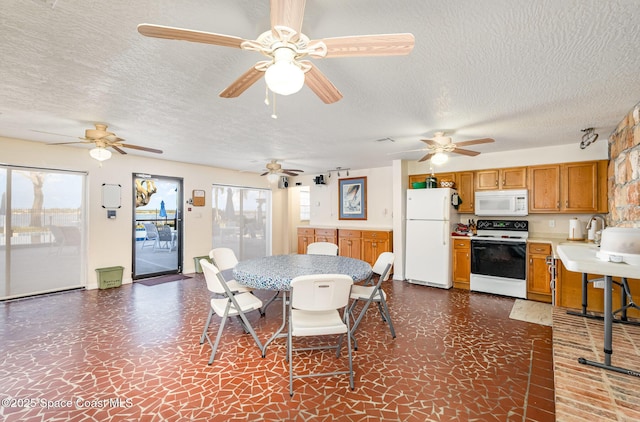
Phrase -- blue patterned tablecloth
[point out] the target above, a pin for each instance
(276, 272)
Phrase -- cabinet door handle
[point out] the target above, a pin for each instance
(496, 182)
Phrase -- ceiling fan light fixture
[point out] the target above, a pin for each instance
(439, 158)
(284, 76)
(100, 153)
(273, 177)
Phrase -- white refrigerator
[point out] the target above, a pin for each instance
(431, 218)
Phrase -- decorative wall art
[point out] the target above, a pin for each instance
(353, 198)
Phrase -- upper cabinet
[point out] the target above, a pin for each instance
(570, 187)
(507, 178)
(553, 188)
(464, 184)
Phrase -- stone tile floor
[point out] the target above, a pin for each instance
(133, 353)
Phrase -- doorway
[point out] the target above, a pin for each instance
(157, 225)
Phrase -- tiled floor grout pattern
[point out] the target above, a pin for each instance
(132, 353)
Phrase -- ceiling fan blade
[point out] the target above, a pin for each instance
(289, 173)
(287, 13)
(265, 173)
(475, 142)
(321, 85)
(241, 84)
(74, 142)
(121, 151)
(296, 170)
(426, 157)
(171, 33)
(430, 142)
(465, 152)
(157, 151)
(369, 45)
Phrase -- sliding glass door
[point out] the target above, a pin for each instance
(242, 220)
(42, 231)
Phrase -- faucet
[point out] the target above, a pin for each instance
(593, 218)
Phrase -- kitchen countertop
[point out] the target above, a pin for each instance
(582, 258)
(555, 240)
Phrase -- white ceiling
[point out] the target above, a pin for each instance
(526, 73)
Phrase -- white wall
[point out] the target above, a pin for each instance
(109, 241)
(324, 199)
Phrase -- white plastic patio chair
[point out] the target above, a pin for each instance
(225, 259)
(225, 305)
(371, 294)
(322, 248)
(314, 311)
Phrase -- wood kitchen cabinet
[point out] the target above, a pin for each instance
(538, 276)
(569, 292)
(461, 262)
(505, 178)
(374, 243)
(326, 235)
(306, 235)
(464, 185)
(423, 177)
(350, 243)
(568, 188)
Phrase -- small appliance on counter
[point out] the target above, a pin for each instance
(620, 244)
(575, 230)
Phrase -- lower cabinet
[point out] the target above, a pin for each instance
(350, 243)
(326, 235)
(306, 235)
(461, 262)
(569, 292)
(538, 276)
(374, 243)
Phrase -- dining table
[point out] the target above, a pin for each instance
(275, 273)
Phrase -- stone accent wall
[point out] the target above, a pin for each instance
(624, 171)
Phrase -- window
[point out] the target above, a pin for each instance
(305, 204)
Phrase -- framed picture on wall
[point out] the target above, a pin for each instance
(353, 198)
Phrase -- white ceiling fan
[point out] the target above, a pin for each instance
(285, 46)
(104, 139)
(441, 144)
(274, 170)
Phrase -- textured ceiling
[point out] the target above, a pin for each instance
(526, 73)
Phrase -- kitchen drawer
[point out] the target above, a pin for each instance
(353, 234)
(462, 243)
(540, 248)
(326, 232)
(378, 235)
(305, 231)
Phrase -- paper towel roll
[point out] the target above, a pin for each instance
(575, 229)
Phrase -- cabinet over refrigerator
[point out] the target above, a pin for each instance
(431, 217)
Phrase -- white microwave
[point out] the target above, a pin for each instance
(502, 203)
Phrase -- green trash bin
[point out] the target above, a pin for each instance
(109, 277)
(196, 262)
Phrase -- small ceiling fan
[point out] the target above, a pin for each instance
(103, 140)
(441, 144)
(274, 170)
(285, 46)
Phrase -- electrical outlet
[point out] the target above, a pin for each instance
(552, 223)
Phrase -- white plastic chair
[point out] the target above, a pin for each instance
(226, 305)
(322, 248)
(371, 294)
(151, 234)
(225, 259)
(314, 311)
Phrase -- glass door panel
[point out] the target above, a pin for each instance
(42, 213)
(242, 220)
(157, 226)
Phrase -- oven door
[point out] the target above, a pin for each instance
(506, 259)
